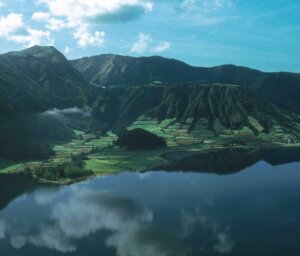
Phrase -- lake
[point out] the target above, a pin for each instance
(226, 203)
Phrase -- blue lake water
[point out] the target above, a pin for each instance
(255, 211)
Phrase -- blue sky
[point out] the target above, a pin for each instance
(259, 34)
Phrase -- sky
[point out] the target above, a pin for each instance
(259, 34)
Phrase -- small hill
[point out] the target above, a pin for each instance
(139, 139)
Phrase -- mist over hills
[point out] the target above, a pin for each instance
(39, 78)
(31, 82)
(119, 91)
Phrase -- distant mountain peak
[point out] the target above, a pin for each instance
(110, 69)
(38, 52)
(42, 70)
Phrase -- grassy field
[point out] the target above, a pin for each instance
(102, 157)
(7, 166)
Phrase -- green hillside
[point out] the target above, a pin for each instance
(198, 111)
(33, 81)
(111, 70)
(55, 115)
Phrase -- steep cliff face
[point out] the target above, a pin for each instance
(215, 105)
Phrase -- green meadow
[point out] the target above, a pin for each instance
(101, 156)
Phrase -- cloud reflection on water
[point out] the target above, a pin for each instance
(209, 229)
(68, 215)
(86, 212)
(2, 229)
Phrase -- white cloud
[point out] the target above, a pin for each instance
(145, 44)
(142, 44)
(91, 211)
(56, 24)
(223, 3)
(78, 15)
(163, 46)
(64, 113)
(143, 176)
(206, 12)
(10, 24)
(205, 5)
(67, 50)
(52, 23)
(85, 38)
(54, 239)
(12, 28)
(213, 231)
(33, 37)
(47, 196)
(224, 244)
(18, 241)
(40, 16)
(147, 242)
(189, 5)
(94, 10)
(87, 212)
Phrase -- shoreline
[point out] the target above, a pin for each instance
(187, 152)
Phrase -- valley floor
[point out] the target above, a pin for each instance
(101, 157)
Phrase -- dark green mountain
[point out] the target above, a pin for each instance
(33, 81)
(112, 70)
(39, 78)
(200, 110)
(41, 93)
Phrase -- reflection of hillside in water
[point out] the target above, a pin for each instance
(226, 161)
(14, 185)
(283, 156)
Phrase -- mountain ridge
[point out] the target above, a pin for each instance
(148, 62)
(118, 70)
(39, 73)
(182, 61)
(215, 108)
(200, 102)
